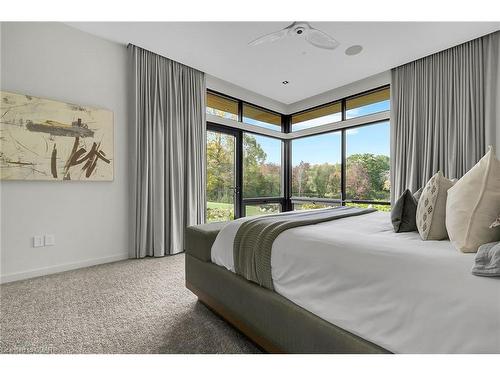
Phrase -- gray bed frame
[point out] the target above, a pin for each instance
(271, 321)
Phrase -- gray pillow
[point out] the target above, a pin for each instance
(417, 194)
(404, 213)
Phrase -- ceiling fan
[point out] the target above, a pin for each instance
(314, 36)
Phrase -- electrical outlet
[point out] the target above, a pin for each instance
(37, 241)
(50, 240)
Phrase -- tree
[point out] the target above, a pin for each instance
(220, 166)
(300, 174)
(260, 178)
(368, 176)
(325, 180)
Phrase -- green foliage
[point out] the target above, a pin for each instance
(219, 214)
(220, 167)
(260, 179)
(379, 207)
(318, 180)
(367, 177)
(220, 211)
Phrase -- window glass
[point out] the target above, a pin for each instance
(367, 159)
(316, 166)
(261, 166)
(379, 207)
(318, 116)
(221, 106)
(259, 117)
(367, 104)
(220, 176)
(262, 209)
(312, 205)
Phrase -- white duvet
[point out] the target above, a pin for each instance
(393, 289)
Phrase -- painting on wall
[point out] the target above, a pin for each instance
(42, 139)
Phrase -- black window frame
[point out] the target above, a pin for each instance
(240, 201)
(287, 200)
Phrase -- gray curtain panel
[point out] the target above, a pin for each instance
(444, 111)
(168, 152)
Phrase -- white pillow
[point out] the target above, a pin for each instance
(431, 209)
(473, 204)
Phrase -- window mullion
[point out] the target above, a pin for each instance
(343, 166)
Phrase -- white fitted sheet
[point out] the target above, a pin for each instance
(393, 289)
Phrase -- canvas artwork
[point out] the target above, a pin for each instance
(43, 139)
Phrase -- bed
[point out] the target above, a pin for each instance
(350, 285)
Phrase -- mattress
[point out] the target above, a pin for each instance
(393, 289)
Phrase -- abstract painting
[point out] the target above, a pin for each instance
(42, 139)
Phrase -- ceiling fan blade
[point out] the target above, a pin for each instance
(320, 39)
(269, 37)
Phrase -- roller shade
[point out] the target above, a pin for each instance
(258, 114)
(318, 112)
(366, 99)
(222, 103)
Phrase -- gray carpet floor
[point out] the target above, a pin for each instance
(133, 306)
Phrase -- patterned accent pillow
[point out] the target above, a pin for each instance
(431, 209)
(496, 223)
(473, 204)
(418, 193)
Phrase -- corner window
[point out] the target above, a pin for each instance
(252, 171)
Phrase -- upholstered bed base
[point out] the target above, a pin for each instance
(273, 322)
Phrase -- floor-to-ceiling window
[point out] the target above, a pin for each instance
(262, 162)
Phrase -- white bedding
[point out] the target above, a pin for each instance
(393, 289)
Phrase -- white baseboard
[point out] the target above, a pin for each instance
(59, 268)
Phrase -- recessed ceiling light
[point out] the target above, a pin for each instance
(353, 50)
(285, 82)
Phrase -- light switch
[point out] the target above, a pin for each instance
(37, 241)
(50, 240)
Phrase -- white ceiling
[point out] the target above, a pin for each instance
(221, 50)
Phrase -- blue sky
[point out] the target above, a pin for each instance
(325, 148)
(271, 146)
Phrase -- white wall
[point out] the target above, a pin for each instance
(89, 219)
